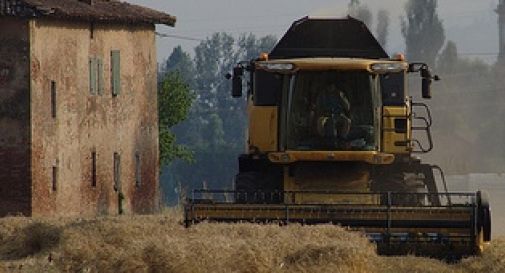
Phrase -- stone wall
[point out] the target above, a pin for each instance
(86, 122)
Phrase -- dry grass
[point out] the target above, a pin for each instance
(160, 244)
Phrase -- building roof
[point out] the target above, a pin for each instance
(112, 11)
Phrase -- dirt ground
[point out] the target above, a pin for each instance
(161, 244)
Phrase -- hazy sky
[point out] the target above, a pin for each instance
(470, 23)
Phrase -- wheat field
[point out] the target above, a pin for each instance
(159, 243)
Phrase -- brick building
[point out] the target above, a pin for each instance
(78, 107)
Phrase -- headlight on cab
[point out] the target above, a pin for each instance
(280, 67)
(383, 68)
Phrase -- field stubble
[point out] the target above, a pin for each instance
(160, 243)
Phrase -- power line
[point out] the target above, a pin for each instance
(479, 53)
(164, 35)
(242, 17)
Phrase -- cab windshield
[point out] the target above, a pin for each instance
(331, 110)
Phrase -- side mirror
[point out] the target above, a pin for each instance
(236, 91)
(427, 79)
(426, 88)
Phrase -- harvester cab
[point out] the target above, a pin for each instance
(330, 140)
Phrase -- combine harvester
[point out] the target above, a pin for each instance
(330, 140)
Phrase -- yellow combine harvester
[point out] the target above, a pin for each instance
(330, 140)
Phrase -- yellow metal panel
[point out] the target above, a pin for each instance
(371, 157)
(390, 138)
(334, 63)
(263, 128)
(304, 182)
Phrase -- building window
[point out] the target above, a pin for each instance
(53, 99)
(54, 178)
(115, 59)
(96, 82)
(92, 31)
(138, 170)
(92, 76)
(93, 169)
(117, 172)
(99, 64)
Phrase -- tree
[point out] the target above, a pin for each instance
(361, 12)
(423, 31)
(181, 62)
(214, 57)
(250, 46)
(174, 102)
(215, 130)
(382, 27)
(448, 59)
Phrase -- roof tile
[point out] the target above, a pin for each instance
(86, 10)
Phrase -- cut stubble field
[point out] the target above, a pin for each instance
(159, 243)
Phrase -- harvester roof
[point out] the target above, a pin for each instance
(328, 37)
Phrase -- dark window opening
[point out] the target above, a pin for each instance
(92, 30)
(93, 169)
(55, 178)
(138, 170)
(92, 76)
(400, 125)
(53, 99)
(393, 89)
(267, 88)
(117, 172)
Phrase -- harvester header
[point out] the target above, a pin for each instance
(332, 138)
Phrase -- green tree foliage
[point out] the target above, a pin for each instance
(250, 46)
(215, 128)
(181, 62)
(215, 57)
(382, 29)
(174, 102)
(423, 31)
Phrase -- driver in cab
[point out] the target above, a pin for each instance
(332, 116)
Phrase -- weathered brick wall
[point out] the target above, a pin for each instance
(15, 191)
(86, 122)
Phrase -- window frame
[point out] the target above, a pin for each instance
(115, 75)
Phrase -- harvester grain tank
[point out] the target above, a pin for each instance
(331, 140)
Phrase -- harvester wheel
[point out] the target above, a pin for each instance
(255, 188)
(245, 187)
(485, 216)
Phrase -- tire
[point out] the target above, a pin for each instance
(256, 188)
(485, 216)
(245, 187)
